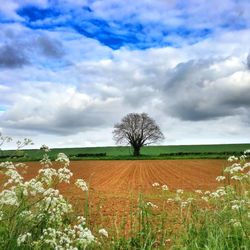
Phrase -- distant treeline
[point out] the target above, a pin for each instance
(201, 153)
(118, 153)
(89, 155)
(15, 154)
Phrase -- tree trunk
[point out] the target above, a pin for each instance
(136, 150)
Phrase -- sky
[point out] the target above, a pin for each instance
(71, 69)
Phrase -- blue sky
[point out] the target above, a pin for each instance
(70, 69)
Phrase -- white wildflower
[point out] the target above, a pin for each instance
(47, 174)
(237, 178)
(156, 184)
(235, 207)
(81, 220)
(45, 148)
(247, 151)
(8, 197)
(85, 237)
(246, 165)
(235, 168)
(198, 191)
(21, 165)
(7, 164)
(218, 193)
(103, 232)
(164, 187)
(220, 178)
(23, 238)
(150, 204)
(61, 157)
(64, 175)
(34, 187)
(232, 158)
(46, 162)
(179, 191)
(25, 214)
(204, 198)
(81, 184)
(14, 176)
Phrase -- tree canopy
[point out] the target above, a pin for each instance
(137, 130)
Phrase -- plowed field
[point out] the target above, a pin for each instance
(120, 177)
(113, 183)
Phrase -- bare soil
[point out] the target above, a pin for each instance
(114, 184)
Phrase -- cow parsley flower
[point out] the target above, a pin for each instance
(103, 232)
(247, 151)
(220, 178)
(9, 197)
(237, 177)
(81, 220)
(235, 207)
(232, 158)
(204, 198)
(45, 148)
(81, 184)
(156, 184)
(150, 204)
(47, 174)
(198, 191)
(64, 175)
(61, 157)
(164, 187)
(46, 162)
(179, 191)
(23, 238)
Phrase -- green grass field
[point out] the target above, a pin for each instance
(123, 153)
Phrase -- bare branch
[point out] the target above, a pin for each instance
(137, 130)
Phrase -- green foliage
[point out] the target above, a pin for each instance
(125, 153)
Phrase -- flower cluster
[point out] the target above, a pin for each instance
(72, 238)
(155, 184)
(81, 184)
(164, 187)
(41, 211)
(103, 232)
(45, 148)
(150, 204)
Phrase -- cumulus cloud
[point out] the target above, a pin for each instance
(66, 110)
(61, 84)
(208, 89)
(20, 46)
(49, 47)
(12, 57)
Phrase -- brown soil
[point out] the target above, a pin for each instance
(114, 185)
(123, 177)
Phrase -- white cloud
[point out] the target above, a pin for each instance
(198, 93)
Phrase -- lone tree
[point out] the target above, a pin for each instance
(137, 130)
